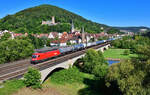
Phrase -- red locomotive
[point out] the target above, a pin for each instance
(44, 53)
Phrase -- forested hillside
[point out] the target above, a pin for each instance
(29, 20)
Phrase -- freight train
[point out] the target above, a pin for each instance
(46, 53)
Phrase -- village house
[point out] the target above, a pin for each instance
(59, 42)
(6, 31)
(17, 35)
(53, 35)
(42, 35)
(75, 40)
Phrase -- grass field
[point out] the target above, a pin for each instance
(117, 53)
(51, 88)
(10, 87)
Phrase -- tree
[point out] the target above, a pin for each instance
(127, 78)
(94, 63)
(68, 43)
(37, 42)
(5, 37)
(113, 31)
(103, 38)
(131, 77)
(32, 78)
(143, 52)
(147, 34)
(12, 50)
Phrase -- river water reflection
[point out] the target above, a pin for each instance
(112, 61)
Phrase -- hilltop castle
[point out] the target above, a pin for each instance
(50, 23)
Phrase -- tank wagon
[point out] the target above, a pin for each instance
(78, 47)
(64, 50)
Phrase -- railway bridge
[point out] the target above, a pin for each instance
(67, 63)
(17, 70)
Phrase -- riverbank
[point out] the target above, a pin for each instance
(113, 59)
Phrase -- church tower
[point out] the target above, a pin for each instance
(83, 35)
(53, 19)
(72, 27)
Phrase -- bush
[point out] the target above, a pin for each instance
(70, 75)
(94, 63)
(100, 71)
(127, 52)
(32, 78)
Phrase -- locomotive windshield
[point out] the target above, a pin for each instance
(34, 56)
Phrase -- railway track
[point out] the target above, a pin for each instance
(17, 70)
(11, 64)
(12, 68)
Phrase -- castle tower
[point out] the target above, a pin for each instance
(53, 19)
(83, 35)
(72, 27)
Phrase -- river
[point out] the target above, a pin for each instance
(113, 61)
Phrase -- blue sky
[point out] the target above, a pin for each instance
(110, 12)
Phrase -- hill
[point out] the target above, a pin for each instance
(133, 29)
(30, 20)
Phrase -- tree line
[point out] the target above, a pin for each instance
(132, 43)
(20, 47)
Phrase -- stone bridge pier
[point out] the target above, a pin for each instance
(102, 49)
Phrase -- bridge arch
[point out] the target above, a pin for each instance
(105, 48)
(47, 72)
(52, 72)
